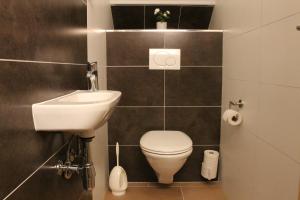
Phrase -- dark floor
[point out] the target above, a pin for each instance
(178, 191)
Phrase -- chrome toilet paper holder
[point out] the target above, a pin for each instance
(240, 103)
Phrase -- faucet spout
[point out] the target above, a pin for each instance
(92, 75)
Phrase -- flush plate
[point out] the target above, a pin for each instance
(164, 59)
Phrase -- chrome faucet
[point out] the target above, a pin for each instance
(92, 75)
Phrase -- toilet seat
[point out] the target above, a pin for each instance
(166, 142)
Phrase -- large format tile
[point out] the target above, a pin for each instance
(201, 124)
(207, 192)
(280, 47)
(246, 16)
(127, 125)
(132, 48)
(273, 10)
(238, 162)
(31, 83)
(197, 48)
(242, 57)
(134, 162)
(150, 18)
(247, 91)
(195, 17)
(148, 193)
(139, 85)
(43, 30)
(194, 87)
(272, 170)
(47, 185)
(128, 17)
(278, 118)
(191, 171)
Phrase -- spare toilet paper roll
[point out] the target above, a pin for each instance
(232, 117)
(210, 164)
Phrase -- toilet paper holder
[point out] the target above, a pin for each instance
(240, 103)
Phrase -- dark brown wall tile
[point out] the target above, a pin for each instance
(139, 85)
(127, 125)
(191, 171)
(150, 18)
(194, 86)
(131, 48)
(43, 30)
(128, 17)
(47, 185)
(21, 85)
(134, 162)
(197, 48)
(201, 124)
(195, 17)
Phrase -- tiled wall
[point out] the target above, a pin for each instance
(261, 159)
(142, 16)
(42, 56)
(187, 100)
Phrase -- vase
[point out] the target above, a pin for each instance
(161, 25)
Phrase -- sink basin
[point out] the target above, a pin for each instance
(80, 112)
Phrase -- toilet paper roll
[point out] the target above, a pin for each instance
(210, 164)
(232, 117)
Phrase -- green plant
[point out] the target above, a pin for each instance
(162, 16)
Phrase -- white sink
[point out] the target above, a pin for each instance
(80, 112)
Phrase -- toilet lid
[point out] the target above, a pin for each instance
(166, 142)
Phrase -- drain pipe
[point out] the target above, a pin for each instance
(85, 166)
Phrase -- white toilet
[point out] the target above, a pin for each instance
(166, 151)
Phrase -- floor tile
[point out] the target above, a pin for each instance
(209, 192)
(149, 193)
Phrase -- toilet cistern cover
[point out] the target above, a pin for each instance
(166, 142)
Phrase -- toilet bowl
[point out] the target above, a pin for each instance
(166, 152)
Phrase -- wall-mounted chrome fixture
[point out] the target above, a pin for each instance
(92, 75)
(240, 103)
(78, 162)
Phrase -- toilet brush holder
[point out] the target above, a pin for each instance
(118, 179)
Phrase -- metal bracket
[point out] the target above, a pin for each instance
(240, 103)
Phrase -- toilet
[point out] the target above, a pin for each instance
(166, 152)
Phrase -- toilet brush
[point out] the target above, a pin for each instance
(118, 178)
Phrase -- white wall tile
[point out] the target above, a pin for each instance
(280, 52)
(279, 114)
(239, 16)
(248, 92)
(242, 56)
(276, 176)
(238, 164)
(273, 10)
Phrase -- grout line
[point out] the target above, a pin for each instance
(24, 181)
(168, 30)
(179, 17)
(136, 145)
(164, 99)
(262, 83)
(182, 195)
(169, 106)
(275, 148)
(261, 26)
(146, 66)
(41, 62)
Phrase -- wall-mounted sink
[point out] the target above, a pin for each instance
(80, 112)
